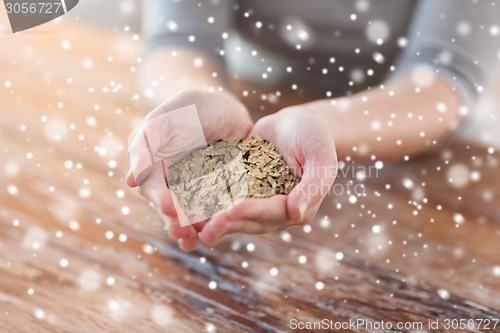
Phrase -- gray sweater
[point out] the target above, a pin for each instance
(336, 46)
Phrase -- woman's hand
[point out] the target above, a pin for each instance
(306, 143)
(189, 119)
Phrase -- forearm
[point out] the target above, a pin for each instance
(391, 122)
(172, 69)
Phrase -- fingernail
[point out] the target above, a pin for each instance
(163, 217)
(302, 210)
(180, 243)
(211, 239)
(129, 179)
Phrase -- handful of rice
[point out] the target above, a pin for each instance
(214, 178)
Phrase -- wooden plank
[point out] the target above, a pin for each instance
(422, 244)
(40, 293)
(463, 177)
(345, 284)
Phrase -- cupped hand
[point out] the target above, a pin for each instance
(189, 119)
(307, 145)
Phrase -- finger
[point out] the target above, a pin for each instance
(141, 157)
(177, 232)
(311, 213)
(190, 242)
(130, 179)
(161, 198)
(155, 189)
(215, 230)
(187, 236)
(260, 209)
(200, 225)
(318, 174)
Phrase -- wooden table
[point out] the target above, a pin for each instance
(80, 252)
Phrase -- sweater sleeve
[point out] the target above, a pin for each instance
(193, 23)
(459, 39)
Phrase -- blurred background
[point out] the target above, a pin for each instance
(483, 127)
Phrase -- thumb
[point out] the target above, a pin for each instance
(140, 159)
(318, 174)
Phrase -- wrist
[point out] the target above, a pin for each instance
(315, 110)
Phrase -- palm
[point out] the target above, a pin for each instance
(306, 144)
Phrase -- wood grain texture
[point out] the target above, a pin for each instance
(81, 252)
